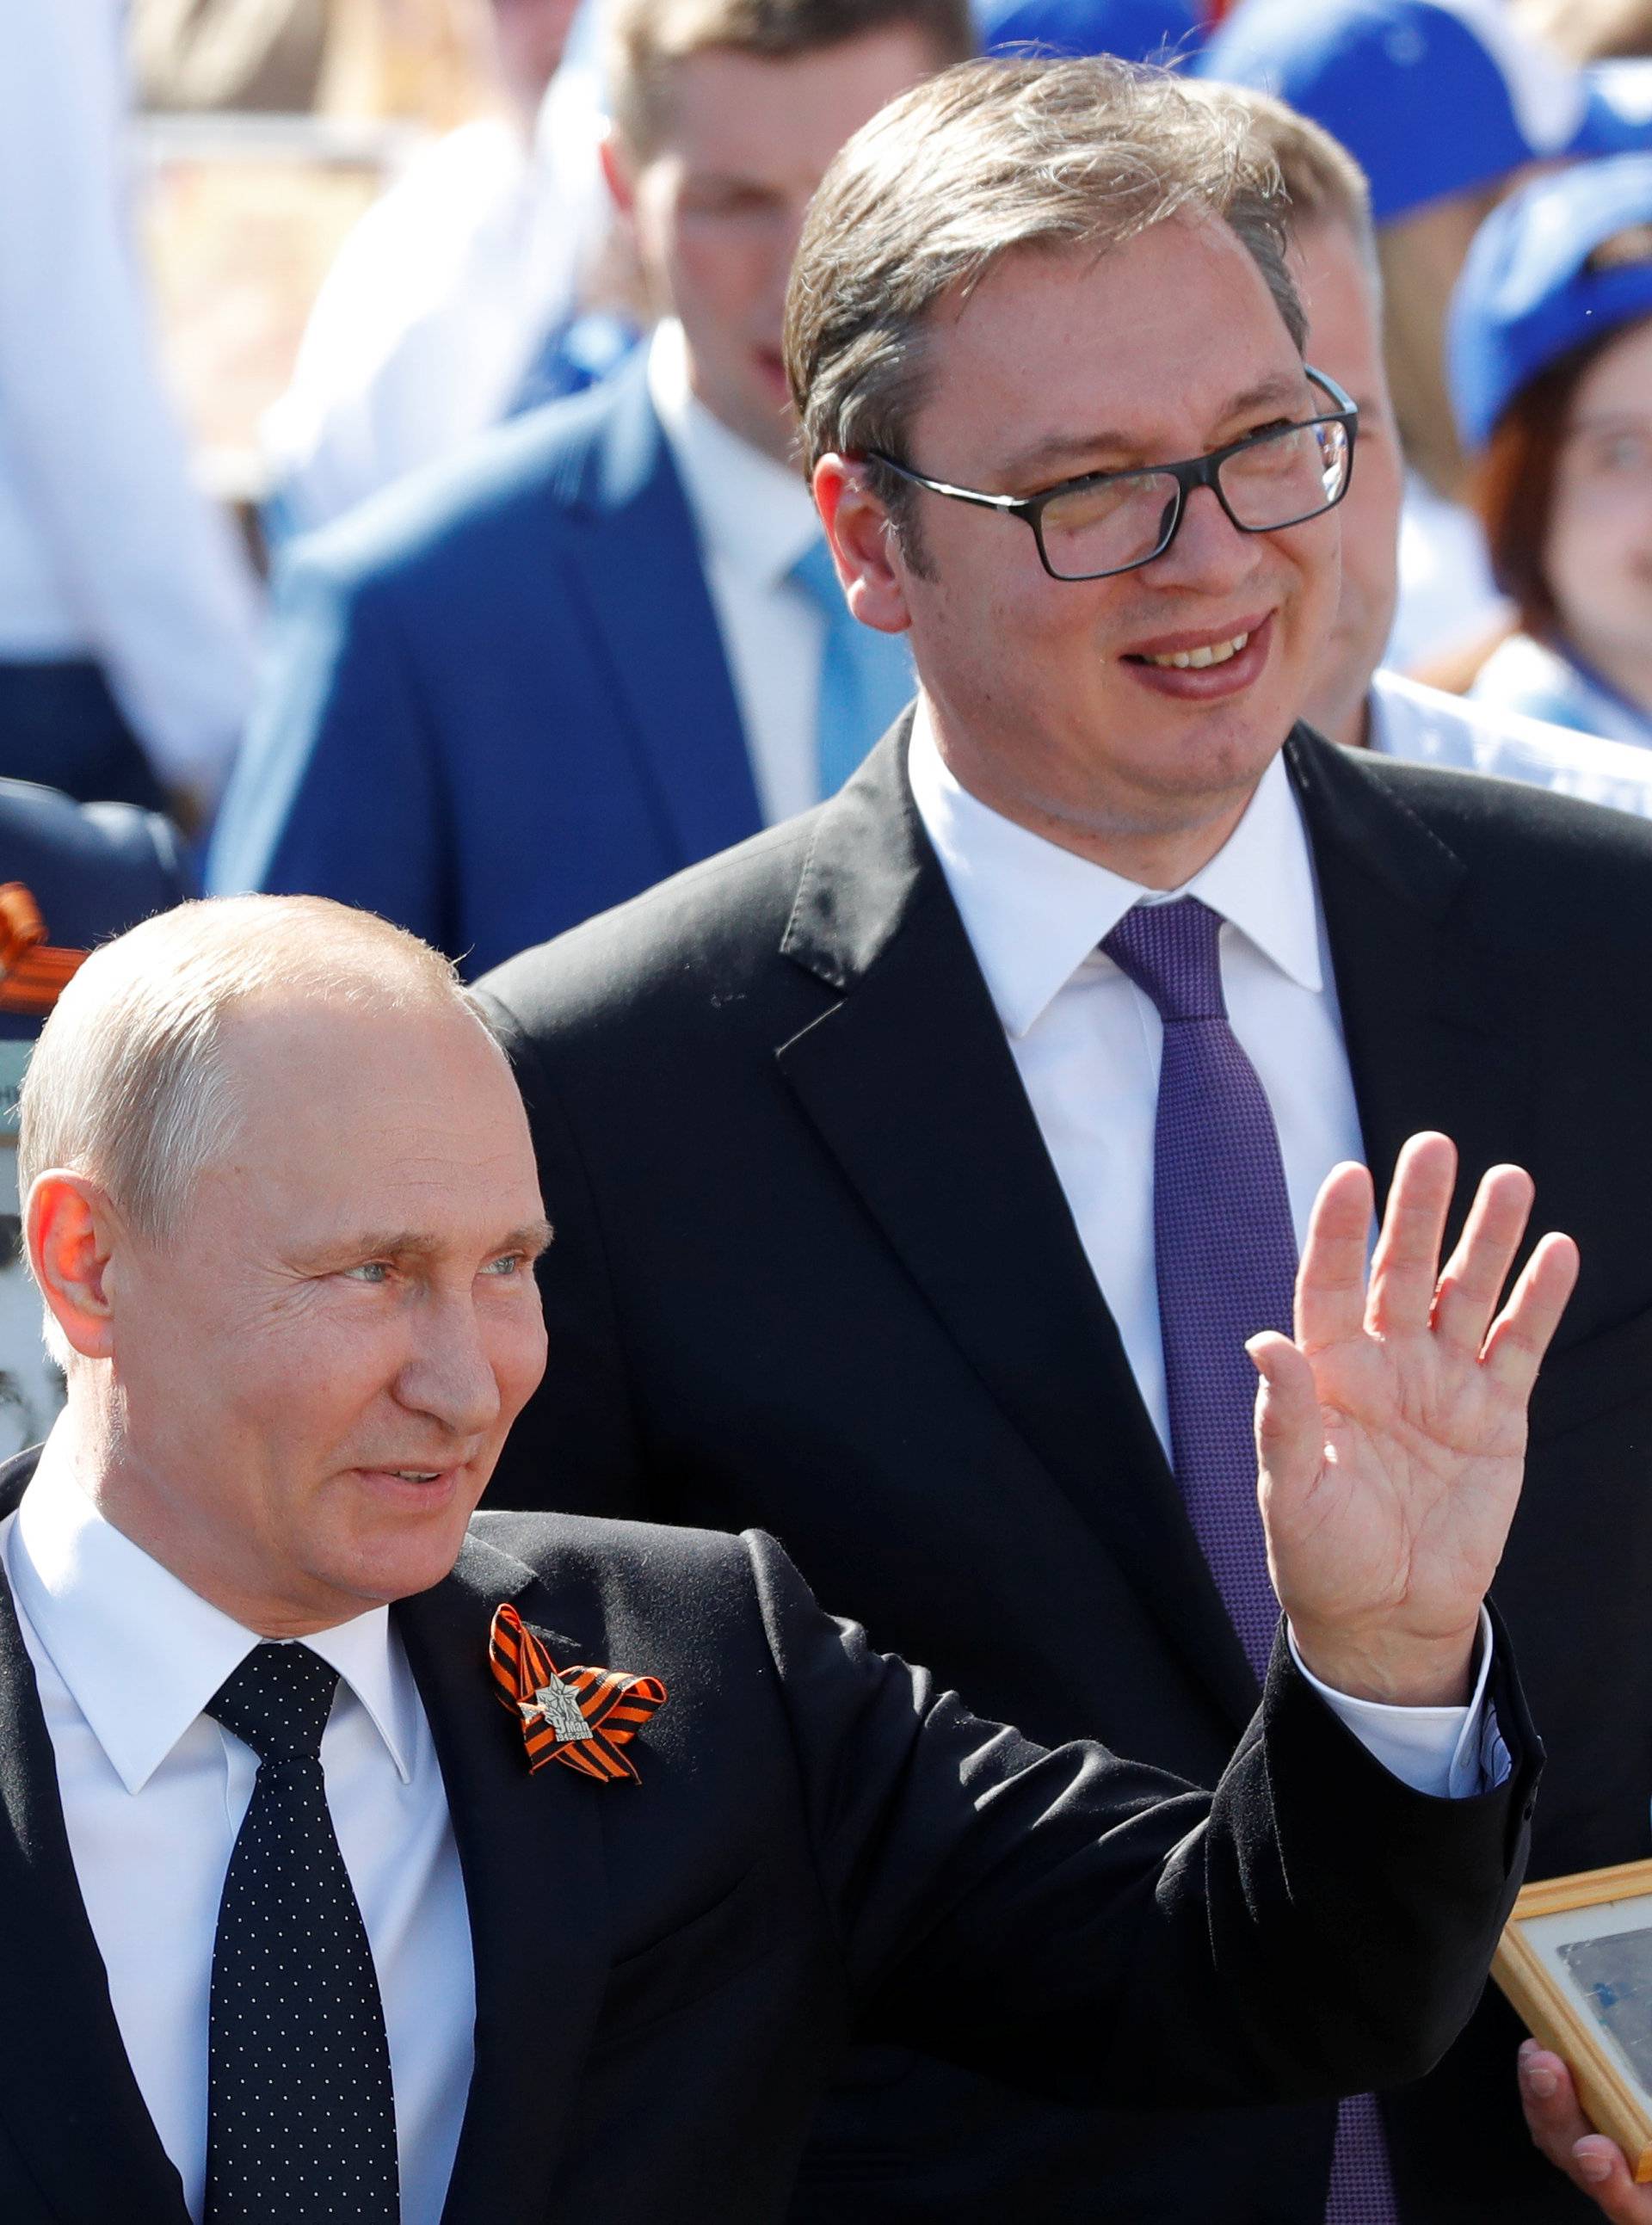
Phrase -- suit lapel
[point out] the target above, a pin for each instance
(530, 1849)
(963, 1188)
(1430, 1020)
(71, 2104)
(648, 603)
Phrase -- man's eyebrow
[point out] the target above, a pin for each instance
(1047, 455)
(532, 1236)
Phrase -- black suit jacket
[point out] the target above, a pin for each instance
(814, 1271)
(665, 1969)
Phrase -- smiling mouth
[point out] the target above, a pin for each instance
(1184, 660)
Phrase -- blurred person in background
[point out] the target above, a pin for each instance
(1551, 357)
(128, 609)
(1334, 257)
(422, 329)
(1443, 103)
(610, 641)
(1589, 30)
(70, 875)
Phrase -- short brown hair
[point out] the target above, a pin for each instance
(987, 159)
(1511, 484)
(645, 37)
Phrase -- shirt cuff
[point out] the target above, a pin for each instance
(1450, 1752)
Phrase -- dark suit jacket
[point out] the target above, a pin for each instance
(473, 721)
(665, 1970)
(814, 1269)
(94, 869)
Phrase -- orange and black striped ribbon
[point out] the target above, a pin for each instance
(614, 1706)
(33, 974)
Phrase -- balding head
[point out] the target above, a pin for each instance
(133, 1081)
(284, 1209)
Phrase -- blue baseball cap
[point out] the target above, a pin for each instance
(1138, 30)
(1431, 97)
(1567, 257)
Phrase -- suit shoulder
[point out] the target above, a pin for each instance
(93, 868)
(709, 932)
(520, 478)
(640, 1558)
(1490, 814)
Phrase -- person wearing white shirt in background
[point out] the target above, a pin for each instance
(436, 299)
(1354, 700)
(128, 608)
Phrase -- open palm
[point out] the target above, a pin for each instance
(1391, 1431)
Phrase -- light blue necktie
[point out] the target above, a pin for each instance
(866, 677)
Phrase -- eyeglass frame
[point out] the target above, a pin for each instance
(1196, 472)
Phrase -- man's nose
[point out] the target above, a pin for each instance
(1209, 551)
(449, 1374)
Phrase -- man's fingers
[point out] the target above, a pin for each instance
(1331, 1280)
(1473, 1276)
(1290, 1430)
(1406, 1263)
(1520, 1335)
(1565, 2135)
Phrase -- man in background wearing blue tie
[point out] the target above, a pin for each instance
(609, 641)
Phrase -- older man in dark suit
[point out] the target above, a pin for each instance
(302, 1918)
(907, 1161)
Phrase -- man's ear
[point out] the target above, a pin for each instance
(863, 543)
(70, 1229)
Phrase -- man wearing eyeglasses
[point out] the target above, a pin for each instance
(919, 1168)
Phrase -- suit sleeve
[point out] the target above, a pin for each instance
(337, 791)
(1079, 1923)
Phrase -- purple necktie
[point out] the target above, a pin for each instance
(1224, 1249)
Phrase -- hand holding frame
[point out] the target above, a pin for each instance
(1391, 1432)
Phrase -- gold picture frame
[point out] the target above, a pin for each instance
(1575, 1962)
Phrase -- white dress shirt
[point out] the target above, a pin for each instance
(1427, 727)
(154, 1792)
(753, 519)
(107, 551)
(1086, 1043)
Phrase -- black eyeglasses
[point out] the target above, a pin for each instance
(1108, 521)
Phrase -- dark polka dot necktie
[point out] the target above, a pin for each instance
(1224, 1255)
(302, 2115)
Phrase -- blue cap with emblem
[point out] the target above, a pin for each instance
(1567, 257)
(1432, 97)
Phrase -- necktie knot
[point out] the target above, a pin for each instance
(1170, 951)
(278, 1701)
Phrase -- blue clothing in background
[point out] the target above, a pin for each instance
(498, 700)
(1137, 30)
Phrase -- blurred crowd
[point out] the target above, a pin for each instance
(544, 232)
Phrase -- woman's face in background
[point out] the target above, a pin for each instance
(1598, 557)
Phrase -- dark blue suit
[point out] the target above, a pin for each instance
(500, 702)
(93, 869)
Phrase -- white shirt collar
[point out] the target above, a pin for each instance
(1035, 912)
(143, 1654)
(752, 514)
